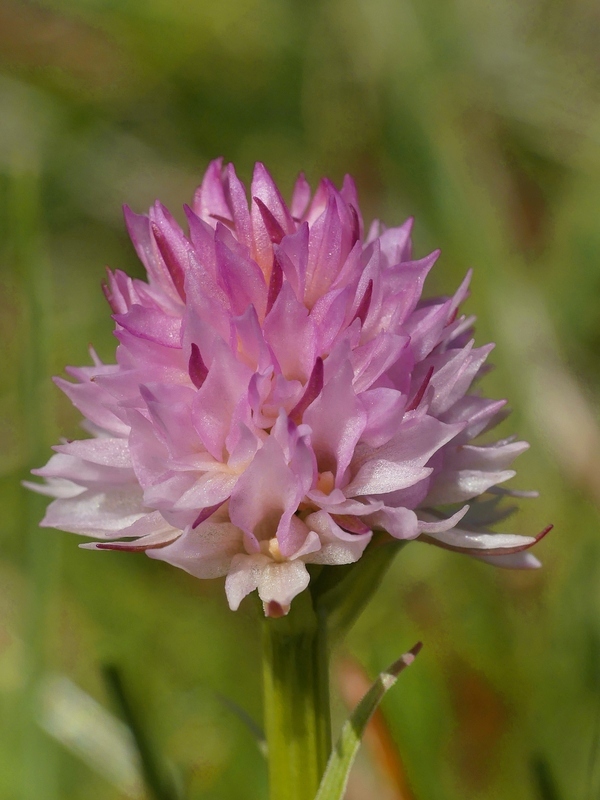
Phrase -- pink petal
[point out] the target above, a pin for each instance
(109, 451)
(209, 200)
(395, 243)
(328, 314)
(170, 409)
(349, 194)
(208, 491)
(325, 252)
(478, 413)
(251, 345)
(300, 197)
(266, 491)
(401, 523)
(152, 324)
(425, 327)
(291, 335)
(493, 457)
(85, 473)
(242, 280)
(292, 255)
(374, 358)
(380, 476)
(172, 245)
(215, 402)
(337, 420)
(239, 206)
(138, 226)
(264, 187)
(337, 546)
(401, 461)
(95, 403)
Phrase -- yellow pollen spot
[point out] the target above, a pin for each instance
(274, 550)
(325, 482)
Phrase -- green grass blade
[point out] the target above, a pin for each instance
(334, 782)
(257, 732)
(39, 756)
(156, 778)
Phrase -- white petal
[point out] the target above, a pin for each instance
(497, 456)
(458, 486)
(431, 524)
(243, 577)
(381, 477)
(205, 552)
(73, 468)
(311, 544)
(107, 451)
(523, 560)
(467, 540)
(281, 582)
(208, 490)
(55, 487)
(401, 523)
(337, 545)
(101, 514)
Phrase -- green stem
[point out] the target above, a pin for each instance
(341, 593)
(296, 701)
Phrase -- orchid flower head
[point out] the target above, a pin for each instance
(281, 390)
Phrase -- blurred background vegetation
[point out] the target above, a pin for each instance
(480, 118)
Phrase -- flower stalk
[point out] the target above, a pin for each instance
(296, 701)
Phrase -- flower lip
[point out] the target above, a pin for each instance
(275, 610)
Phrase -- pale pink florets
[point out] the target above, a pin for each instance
(281, 391)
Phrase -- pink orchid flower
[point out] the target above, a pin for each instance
(281, 390)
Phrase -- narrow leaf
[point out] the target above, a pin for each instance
(334, 781)
(158, 783)
(255, 729)
(90, 732)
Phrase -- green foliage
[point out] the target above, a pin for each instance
(335, 780)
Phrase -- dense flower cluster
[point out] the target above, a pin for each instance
(281, 391)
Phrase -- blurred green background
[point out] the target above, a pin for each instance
(480, 118)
